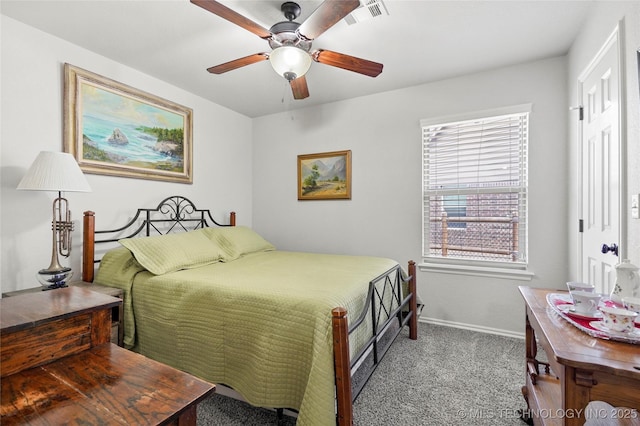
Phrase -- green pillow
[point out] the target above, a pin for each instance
(236, 241)
(162, 254)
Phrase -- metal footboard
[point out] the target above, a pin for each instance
(385, 304)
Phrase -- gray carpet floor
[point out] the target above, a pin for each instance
(448, 376)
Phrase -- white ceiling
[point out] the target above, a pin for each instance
(418, 42)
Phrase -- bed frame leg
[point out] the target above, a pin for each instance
(413, 304)
(342, 366)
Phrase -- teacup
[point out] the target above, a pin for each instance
(618, 319)
(585, 302)
(632, 303)
(575, 285)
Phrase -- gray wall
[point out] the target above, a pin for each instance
(384, 216)
(250, 166)
(32, 88)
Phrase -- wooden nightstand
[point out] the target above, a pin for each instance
(117, 314)
(58, 367)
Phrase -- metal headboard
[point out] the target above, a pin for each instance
(173, 214)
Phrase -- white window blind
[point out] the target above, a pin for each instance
(475, 188)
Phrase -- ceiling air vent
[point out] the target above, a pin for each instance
(368, 9)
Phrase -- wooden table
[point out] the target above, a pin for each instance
(580, 368)
(58, 367)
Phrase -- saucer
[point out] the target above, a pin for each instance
(598, 325)
(569, 310)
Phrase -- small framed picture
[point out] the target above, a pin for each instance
(324, 176)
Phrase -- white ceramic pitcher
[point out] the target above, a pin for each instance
(627, 281)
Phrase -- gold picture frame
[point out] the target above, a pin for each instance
(114, 129)
(324, 176)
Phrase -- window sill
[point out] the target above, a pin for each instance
(478, 271)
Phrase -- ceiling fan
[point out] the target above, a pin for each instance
(290, 41)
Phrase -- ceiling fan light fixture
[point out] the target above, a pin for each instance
(290, 62)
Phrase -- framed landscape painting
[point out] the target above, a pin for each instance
(324, 176)
(114, 129)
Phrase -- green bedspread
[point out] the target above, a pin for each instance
(260, 324)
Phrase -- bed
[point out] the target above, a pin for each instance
(286, 330)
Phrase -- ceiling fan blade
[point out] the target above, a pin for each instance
(233, 17)
(326, 16)
(299, 88)
(238, 63)
(346, 62)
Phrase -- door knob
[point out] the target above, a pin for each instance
(613, 247)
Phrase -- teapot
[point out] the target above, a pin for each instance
(627, 281)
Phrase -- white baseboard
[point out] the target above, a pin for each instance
(472, 327)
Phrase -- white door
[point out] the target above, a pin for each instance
(601, 177)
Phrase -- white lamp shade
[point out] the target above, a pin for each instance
(55, 171)
(290, 62)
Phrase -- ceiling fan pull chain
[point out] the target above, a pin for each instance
(284, 91)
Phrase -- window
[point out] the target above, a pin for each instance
(475, 187)
(455, 206)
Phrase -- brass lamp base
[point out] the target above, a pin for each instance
(52, 279)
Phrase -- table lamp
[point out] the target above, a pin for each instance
(56, 171)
